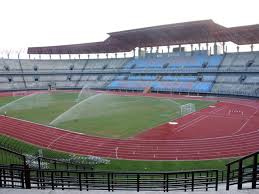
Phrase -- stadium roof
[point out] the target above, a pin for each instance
(203, 31)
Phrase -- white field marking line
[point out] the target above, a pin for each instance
(47, 126)
(182, 128)
(116, 152)
(16, 100)
(156, 141)
(240, 129)
(73, 107)
(190, 122)
(55, 140)
(227, 117)
(218, 109)
(118, 103)
(187, 123)
(246, 105)
(167, 123)
(194, 113)
(193, 96)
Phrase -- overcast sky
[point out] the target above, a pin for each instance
(27, 23)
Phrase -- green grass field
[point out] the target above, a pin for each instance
(103, 115)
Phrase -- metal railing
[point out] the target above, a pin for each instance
(243, 170)
(9, 156)
(15, 177)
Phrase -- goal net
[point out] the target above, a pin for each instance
(187, 109)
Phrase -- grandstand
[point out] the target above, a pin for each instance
(209, 70)
(223, 74)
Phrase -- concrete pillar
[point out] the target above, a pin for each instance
(215, 49)
(139, 52)
(116, 55)
(238, 48)
(252, 47)
(223, 47)
(124, 54)
(107, 55)
(180, 48)
(97, 56)
(199, 46)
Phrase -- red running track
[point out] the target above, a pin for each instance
(229, 129)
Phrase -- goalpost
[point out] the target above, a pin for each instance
(187, 109)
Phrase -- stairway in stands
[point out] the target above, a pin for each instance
(81, 75)
(20, 63)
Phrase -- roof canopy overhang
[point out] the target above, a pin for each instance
(204, 31)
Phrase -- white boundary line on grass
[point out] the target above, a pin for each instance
(2, 107)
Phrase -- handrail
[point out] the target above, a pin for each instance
(42, 158)
(11, 151)
(243, 158)
(243, 173)
(108, 180)
(120, 172)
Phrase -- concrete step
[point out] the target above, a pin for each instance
(33, 191)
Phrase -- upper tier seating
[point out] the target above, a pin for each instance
(240, 61)
(240, 89)
(9, 65)
(162, 86)
(252, 79)
(179, 78)
(105, 63)
(209, 78)
(228, 78)
(48, 65)
(121, 77)
(144, 78)
(175, 62)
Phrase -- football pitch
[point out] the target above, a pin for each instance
(100, 114)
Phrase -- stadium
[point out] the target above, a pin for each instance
(160, 108)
